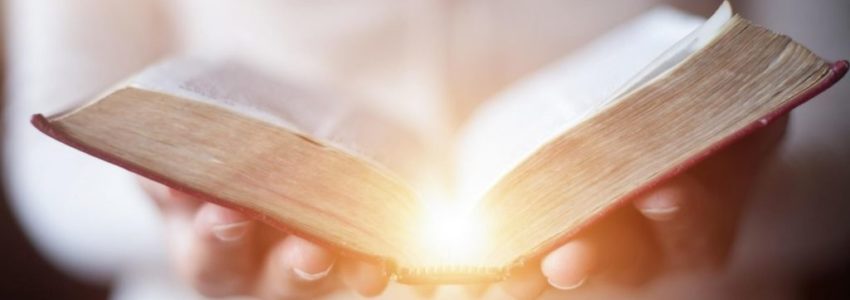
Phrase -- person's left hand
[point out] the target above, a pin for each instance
(686, 224)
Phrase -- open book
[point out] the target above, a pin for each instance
(531, 168)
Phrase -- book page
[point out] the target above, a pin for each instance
(745, 77)
(510, 127)
(314, 112)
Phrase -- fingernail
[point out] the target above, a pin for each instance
(660, 207)
(660, 213)
(307, 261)
(568, 286)
(306, 276)
(230, 232)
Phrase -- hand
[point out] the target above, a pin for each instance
(687, 224)
(221, 252)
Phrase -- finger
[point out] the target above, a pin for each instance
(764, 140)
(687, 223)
(219, 259)
(619, 249)
(569, 266)
(309, 262)
(296, 269)
(730, 173)
(695, 215)
(366, 279)
(524, 283)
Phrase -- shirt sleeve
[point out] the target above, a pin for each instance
(87, 217)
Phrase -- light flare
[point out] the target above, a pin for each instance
(452, 234)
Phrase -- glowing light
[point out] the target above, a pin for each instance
(452, 235)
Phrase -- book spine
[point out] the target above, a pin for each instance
(455, 274)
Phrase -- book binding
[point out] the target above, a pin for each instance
(450, 274)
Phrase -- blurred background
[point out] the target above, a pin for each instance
(807, 226)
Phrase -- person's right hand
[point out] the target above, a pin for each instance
(221, 252)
